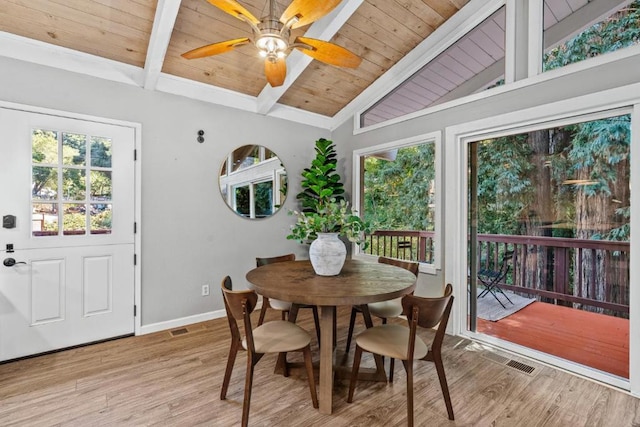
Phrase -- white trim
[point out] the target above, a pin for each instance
(510, 42)
(138, 235)
(163, 23)
(434, 137)
(592, 106)
(182, 321)
(37, 52)
(137, 128)
(534, 37)
(540, 78)
(634, 280)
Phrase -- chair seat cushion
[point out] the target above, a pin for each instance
(278, 336)
(390, 341)
(386, 309)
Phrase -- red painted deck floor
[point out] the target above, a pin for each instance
(591, 339)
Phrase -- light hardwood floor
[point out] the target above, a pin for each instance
(166, 380)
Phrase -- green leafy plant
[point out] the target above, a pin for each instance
(320, 181)
(332, 216)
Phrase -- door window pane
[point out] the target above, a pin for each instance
(101, 185)
(44, 146)
(74, 219)
(74, 184)
(100, 218)
(74, 149)
(242, 201)
(44, 183)
(100, 152)
(45, 219)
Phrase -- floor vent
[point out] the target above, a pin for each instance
(506, 361)
(180, 331)
(527, 369)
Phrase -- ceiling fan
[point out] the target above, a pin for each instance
(271, 36)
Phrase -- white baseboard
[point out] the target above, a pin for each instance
(183, 321)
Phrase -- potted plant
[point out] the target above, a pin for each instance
(323, 228)
(325, 215)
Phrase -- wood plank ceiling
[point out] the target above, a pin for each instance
(380, 31)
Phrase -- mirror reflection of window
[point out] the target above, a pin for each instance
(253, 182)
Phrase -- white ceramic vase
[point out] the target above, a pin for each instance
(327, 254)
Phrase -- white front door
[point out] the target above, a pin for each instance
(69, 184)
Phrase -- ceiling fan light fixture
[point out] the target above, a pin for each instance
(271, 45)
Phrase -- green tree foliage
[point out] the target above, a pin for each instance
(399, 194)
(614, 33)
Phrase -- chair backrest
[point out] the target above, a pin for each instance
(237, 302)
(282, 258)
(431, 311)
(407, 265)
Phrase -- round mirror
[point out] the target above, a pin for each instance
(253, 182)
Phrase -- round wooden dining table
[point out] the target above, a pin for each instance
(359, 283)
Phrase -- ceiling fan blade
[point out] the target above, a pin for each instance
(275, 71)
(307, 11)
(328, 53)
(234, 8)
(214, 49)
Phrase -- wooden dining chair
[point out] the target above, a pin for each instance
(272, 337)
(401, 342)
(384, 309)
(283, 306)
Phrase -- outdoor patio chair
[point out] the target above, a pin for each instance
(491, 279)
(272, 337)
(401, 342)
(283, 306)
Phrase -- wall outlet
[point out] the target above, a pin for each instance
(205, 290)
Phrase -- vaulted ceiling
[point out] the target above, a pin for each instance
(140, 42)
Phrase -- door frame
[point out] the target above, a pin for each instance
(137, 128)
(457, 139)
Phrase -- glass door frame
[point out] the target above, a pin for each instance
(457, 142)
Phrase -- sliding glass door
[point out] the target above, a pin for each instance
(549, 212)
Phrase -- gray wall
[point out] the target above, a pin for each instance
(620, 73)
(190, 237)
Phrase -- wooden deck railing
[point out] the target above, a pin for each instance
(588, 274)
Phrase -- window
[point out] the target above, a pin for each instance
(399, 196)
(471, 64)
(570, 34)
(71, 185)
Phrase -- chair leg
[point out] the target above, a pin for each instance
(354, 373)
(408, 366)
(352, 323)
(391, 368)
(312, 382)
(316, 319)
(233, 351)
(263, 310)
(437, 360)
(248, 383)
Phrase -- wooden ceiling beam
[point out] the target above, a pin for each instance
(166, 14)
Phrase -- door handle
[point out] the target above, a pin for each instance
(10, 262)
